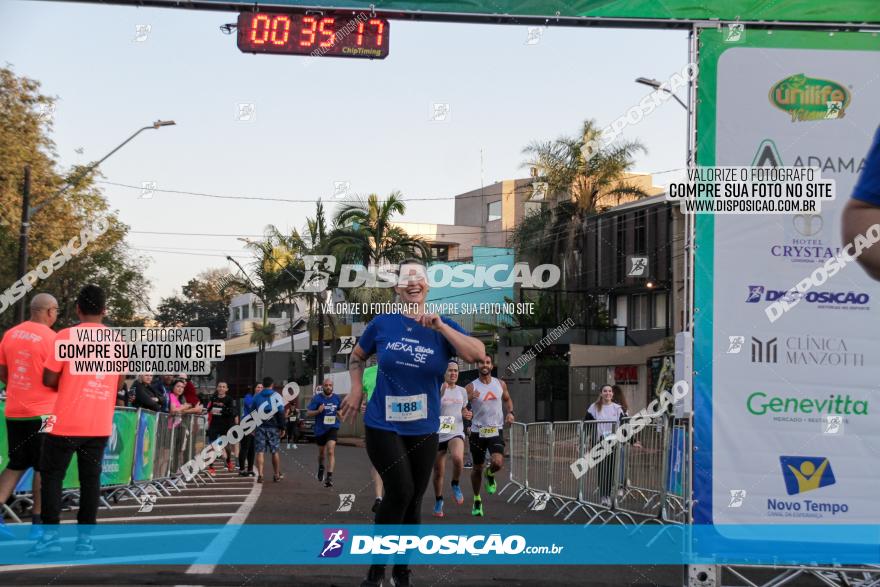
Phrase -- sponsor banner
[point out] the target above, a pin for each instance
(455, 544)
(118, 459)
(785, 432)
(145, 446)
(840, 11)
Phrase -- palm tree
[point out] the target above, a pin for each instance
(365, 233)
(267, 285)
(580, 185)
(315, 240)
(593, 183)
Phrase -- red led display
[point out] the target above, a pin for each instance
(328, 34)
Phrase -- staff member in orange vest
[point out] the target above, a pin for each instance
(23, 351)
(81, 423)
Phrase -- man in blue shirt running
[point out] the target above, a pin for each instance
(323, 408)
(863, 210)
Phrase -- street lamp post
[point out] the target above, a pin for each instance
(659, 86)
(27, 212)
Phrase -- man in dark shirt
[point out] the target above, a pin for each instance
(221, 412)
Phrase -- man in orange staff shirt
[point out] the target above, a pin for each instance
(81, 423)
(23, 351)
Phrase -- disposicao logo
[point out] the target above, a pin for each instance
(807, 98)
(334, 541)
(804, 474)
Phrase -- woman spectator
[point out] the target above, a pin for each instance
(607, 414)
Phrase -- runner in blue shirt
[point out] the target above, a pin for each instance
(863, 211)
(403, 414)
(323, 407)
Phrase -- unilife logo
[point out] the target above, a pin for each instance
(807, 98)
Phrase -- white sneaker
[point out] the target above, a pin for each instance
(606, 502)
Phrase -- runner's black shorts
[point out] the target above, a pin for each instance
(25, 443)
(216, 432)
(326, 437)
(495, 445)
(444, 446)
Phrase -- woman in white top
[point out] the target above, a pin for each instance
(453, 407)
(608, 415)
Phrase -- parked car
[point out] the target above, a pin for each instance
(306, 427)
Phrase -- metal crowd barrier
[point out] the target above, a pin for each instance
(644, 478)
(143, 456)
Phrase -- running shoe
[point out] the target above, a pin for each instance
(491, 486)
(230, 467)
(48, 544)
(84, 547)
(211, 471)
(376, 505)
(478, 507)
(251, 474)
(459, 496)
(320, 472)
(401, 578)
(606, 502)
(328, 482)
(438, 508)
(468, 463)
(242, 473)
(260, 479)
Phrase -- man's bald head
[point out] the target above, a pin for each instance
(44, 309)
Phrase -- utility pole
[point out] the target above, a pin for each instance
(27, 212)
(23, 236)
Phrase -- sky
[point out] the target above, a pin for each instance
(317, 121)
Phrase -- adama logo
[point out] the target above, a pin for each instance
(807, 98)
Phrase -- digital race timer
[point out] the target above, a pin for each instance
(324, 34)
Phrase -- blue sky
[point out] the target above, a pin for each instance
(318, 121)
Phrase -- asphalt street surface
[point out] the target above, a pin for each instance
(301, 499)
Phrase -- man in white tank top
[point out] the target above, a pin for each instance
(453, 407)
(488, 397)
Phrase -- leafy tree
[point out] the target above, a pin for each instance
(204, 303)
(25, 127)
(579, 186)
(365, 233)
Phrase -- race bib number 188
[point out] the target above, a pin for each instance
(406, 408)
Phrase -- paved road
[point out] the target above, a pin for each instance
(300, 498)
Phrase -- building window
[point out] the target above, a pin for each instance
(640, 229)
(494, 210)
(440, 252)
(245, 312)
(236, 313)
(639, 312)
(659, 318)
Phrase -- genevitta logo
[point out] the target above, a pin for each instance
(842, 299)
